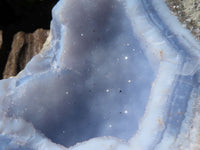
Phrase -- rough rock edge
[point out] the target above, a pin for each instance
(188, 13)
(24, 47)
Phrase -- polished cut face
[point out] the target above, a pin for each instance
(113, 75)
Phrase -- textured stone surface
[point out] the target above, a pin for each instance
(188, 13)
(22, 15)
(24, 47)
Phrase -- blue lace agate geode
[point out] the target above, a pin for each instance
(117, 74)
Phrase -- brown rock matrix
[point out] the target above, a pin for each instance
(188, 13)
(24, 47)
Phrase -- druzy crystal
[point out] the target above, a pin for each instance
(113, 75)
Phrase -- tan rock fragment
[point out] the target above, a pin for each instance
(24, 47)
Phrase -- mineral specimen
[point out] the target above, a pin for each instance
(113, 75)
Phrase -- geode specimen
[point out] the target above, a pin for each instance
(117, 74)
(24, 47)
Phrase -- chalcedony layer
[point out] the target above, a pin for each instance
(113, 75)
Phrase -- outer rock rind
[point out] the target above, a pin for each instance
(188, 14)
(24, 47)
